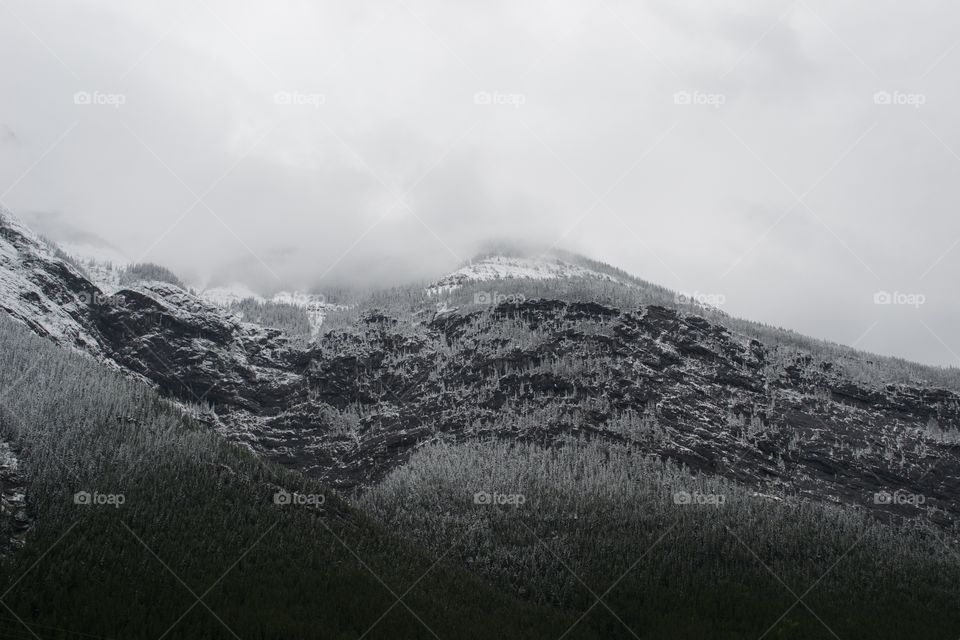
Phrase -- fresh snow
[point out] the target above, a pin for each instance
(104, 265)
(315, 304)
(105, 275)
(228, 295)
(24, 286)
(509, 268)
(85, 252)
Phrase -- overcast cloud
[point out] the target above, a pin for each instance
(308, 143)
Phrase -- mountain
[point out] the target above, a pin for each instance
(605, 402)
(532, 348)
(44, 290)
(509, 267)
(120, 512)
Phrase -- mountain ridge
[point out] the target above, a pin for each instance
(556, 358)
(576, 266)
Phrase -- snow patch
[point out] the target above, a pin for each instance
(314, 304)
(509, 268)
(228, 295)
(34, 289)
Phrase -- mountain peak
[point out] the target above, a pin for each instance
(11, 223)
(523, 265)
(42, 289)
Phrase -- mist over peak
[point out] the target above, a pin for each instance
(498, 320)
(760, 156)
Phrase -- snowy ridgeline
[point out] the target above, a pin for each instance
(104, 265)
(107, 269)
(228, 295)
(315, 305)
(490, 268)
(500, 267)
(31, 286)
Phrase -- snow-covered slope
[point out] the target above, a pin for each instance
(226, 295)
(500, 267)
(135, 325)
(105, 275)
(354, 404)
(103, 265)
(558, 265)
(41, 290)
(314, 304)
(86, 252)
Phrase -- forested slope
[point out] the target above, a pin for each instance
(175, 514)
(674, 554)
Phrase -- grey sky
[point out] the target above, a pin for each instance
(333, 141)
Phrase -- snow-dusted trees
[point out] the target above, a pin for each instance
(147, 271)
(683, 550)
(183, 502)
(291, 319)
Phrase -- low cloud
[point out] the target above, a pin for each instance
(317, 144)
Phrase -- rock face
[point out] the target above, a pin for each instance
(667, 382)
(196, 351)
(354, 404)
(45, 292)
(15, 516)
